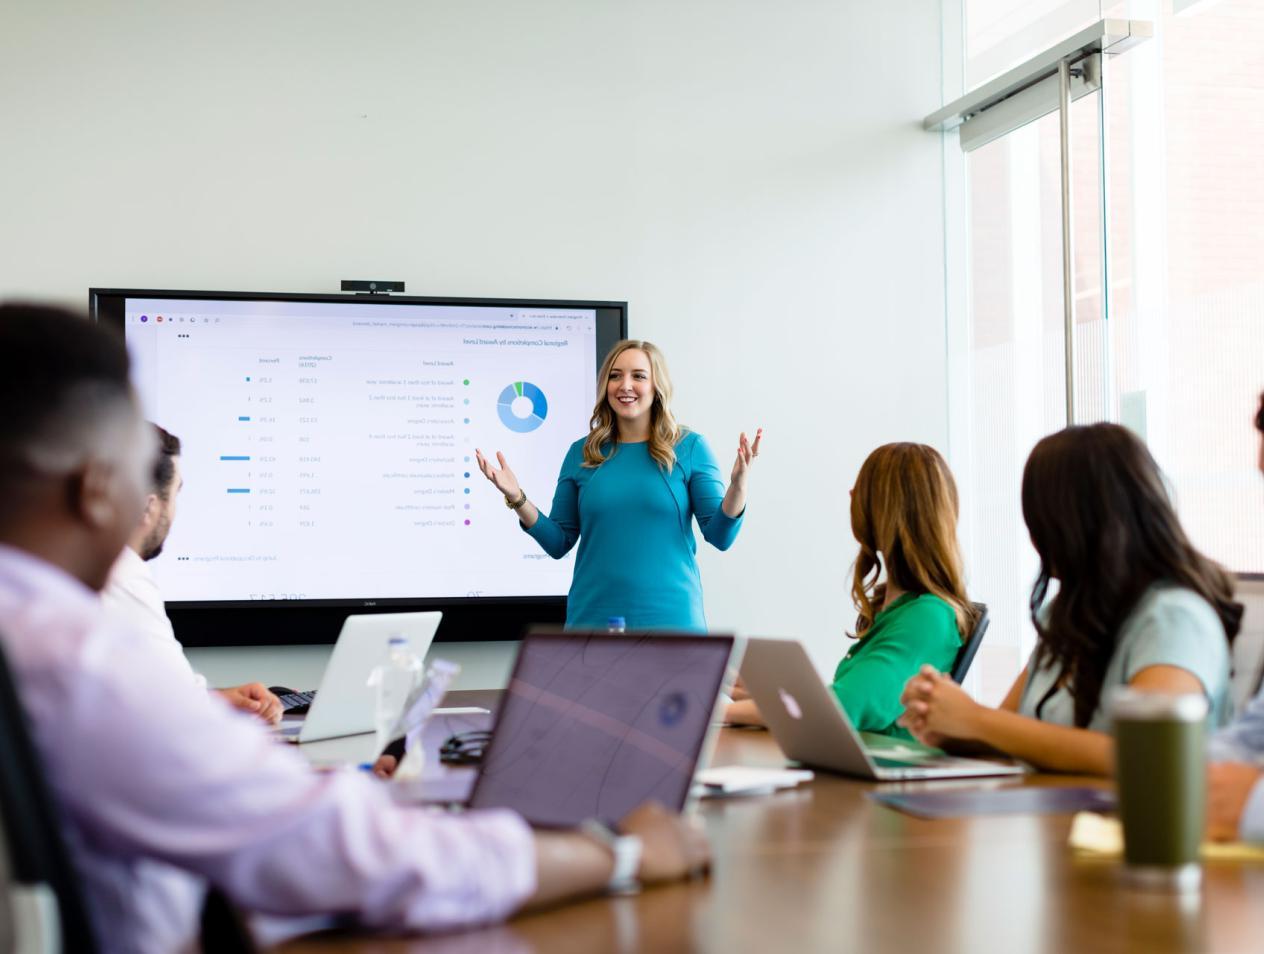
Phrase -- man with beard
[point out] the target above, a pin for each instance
(132, 593)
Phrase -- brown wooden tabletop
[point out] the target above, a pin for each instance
(823, 868)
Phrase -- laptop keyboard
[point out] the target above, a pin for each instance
(893, 763)
(296, 703)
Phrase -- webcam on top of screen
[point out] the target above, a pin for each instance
(371, 287)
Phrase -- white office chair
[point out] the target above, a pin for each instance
(1248, 652)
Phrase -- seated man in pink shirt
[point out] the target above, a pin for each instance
(163, 790)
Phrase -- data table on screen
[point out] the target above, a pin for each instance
(329, 449)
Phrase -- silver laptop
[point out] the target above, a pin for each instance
(593, 725)
(345, 703)
(811, 727)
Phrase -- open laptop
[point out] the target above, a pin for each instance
(811, 727)
(593, 725)
(345, 704)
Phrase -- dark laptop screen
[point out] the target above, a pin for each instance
(592, 726)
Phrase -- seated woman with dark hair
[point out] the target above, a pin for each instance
(908, 585)
(1135, 605)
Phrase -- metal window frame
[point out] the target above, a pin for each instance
(1049, 81)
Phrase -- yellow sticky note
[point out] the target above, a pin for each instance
(1099, 835)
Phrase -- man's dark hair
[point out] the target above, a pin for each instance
(59, 373)
(165, 466)
(1259, 415)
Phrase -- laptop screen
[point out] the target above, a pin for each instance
(591, 726)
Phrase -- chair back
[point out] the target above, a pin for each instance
(965, 655)
(35, 853)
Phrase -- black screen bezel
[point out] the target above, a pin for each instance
(307, 622)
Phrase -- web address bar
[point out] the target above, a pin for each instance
(460, 325)
(494, 326)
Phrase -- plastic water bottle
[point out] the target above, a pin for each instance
(395, 678)
(616, 624)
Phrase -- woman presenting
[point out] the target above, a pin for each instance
(628, 493)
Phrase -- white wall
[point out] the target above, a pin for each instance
(750, 176)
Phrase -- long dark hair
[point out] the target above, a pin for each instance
(1103, 525)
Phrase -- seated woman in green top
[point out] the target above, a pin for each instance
(907, 585)
(1135, 605)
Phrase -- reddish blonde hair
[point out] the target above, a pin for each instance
(904, 506)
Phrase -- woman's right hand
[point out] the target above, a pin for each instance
(501, 476)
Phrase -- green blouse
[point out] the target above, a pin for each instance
(910, 632)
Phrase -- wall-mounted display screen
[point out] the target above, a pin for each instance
(328, 442)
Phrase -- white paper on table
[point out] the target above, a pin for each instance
(739, 779)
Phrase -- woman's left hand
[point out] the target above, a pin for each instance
(936, 708)
(747, 451)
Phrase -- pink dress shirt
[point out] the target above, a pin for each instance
(163, 787)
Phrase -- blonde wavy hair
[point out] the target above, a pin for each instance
(905, 506)
(665, 433)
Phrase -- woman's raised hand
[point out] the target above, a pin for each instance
(747, 451)
(501, 476)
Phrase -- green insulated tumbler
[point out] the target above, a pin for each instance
(1162, 779)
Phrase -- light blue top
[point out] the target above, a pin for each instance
(633, 522)
(1243, 741)
(1169, 626)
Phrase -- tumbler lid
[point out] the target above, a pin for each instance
(1127, 703)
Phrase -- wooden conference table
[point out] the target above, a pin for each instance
(822, 868)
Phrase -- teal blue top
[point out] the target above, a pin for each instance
(913, 631)
(1169, 626)
(634, 524)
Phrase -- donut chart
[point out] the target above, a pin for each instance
(522, 407)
